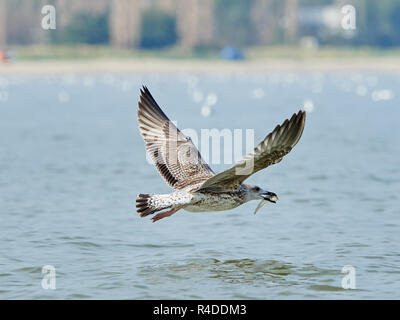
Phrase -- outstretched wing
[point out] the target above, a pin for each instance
(270, 151)
(175, 156)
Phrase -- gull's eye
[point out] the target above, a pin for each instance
(257, 189)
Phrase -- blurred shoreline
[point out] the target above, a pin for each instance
(92, 59)
(209, 66)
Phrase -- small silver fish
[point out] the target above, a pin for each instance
(262, 202)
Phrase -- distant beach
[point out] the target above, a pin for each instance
(99, 59)
(163, 65)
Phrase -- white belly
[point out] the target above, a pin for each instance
(213, 202)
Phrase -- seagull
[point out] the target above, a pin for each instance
(196, 187)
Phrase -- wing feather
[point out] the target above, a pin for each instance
(270, 151)
(174, 155)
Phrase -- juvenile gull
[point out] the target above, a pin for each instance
(197, 187)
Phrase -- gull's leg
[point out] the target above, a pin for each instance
(165, 214)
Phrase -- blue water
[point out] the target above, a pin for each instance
(72, 162)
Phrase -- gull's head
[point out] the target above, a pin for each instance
(257, 193)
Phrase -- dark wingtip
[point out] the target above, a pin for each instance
(143, 90)
(302, 114)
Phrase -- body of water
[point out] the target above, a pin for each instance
(72, 162)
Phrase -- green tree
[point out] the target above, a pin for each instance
(158, 29)
(84, 28)
(233, 23)
(379, 24)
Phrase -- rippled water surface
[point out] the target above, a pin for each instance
(72, 162)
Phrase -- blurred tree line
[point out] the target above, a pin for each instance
(158, 29)
(86, 28)
(233, 23)
(378, 24)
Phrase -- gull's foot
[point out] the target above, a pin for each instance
(164, 214)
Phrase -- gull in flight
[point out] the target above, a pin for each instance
(197, 187)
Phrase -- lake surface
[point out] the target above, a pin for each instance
(72, 162)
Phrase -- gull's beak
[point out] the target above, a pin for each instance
(270, 196)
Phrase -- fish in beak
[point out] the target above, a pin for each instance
(267, 197)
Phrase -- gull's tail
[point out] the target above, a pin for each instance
(148, 204)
